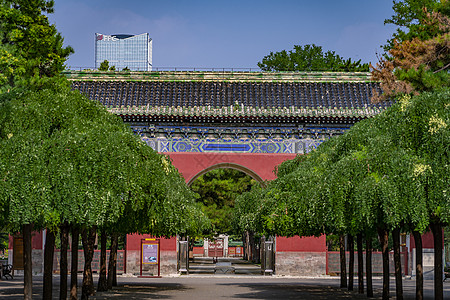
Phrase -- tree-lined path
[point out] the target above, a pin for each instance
(231, 287)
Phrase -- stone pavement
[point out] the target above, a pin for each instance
(222, 286)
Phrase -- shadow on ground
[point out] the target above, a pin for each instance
(13, 290)
(141, 291)
(294, 291)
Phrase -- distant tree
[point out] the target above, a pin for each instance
(126, 69)
(310, 58)
(112, 68)
(104, 66)
(217, 191)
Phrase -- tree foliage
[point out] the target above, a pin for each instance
(217, 191)
(385, 173)
(66, 159)
(310, 58)
(417, 60)
(104, 66)
(31, 49)
(411, 18)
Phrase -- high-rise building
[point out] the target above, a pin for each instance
(124, 51)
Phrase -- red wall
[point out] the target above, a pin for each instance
(190, 164)
(427, 241)
(36, 240)
(134, 242)
(301, 244)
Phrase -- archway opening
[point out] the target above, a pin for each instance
(216, 189)
(232, 166)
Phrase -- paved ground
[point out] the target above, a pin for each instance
(222, 287)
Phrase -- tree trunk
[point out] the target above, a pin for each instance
(27, 264)
(351, 261)
(102, 284)
(48, 265)
(251, 252)
(114, 278)
(114, 275)
(88, 236)
(64, 236)
(398, 264)
(369, 266)
(343, 262)
(74, 264)
(419, 265)
(112, 260)
(115, 270)
(359, 244)
(245, 244)
(436, 228)
(383, 234)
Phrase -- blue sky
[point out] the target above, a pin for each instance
(226, 34)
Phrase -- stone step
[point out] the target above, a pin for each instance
(206, 265)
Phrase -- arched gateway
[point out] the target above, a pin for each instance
(246, 121)
(259, 166)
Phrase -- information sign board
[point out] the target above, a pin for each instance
(150, 253)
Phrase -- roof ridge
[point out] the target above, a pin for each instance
(96, 75)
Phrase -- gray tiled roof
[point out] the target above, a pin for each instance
(325, 96)
(219, 94)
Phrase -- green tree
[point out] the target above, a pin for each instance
(382, 175)
(65, 160)
(31, 49)
(411, 18)
(162, 205)
(418, 59)
(59, 163)
(310, 58)
(104, 66)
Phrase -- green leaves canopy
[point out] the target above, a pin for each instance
(387, 172)
(31, 50)
(409, 16)
(64, 158)
(309, 58)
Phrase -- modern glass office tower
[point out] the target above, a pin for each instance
(124, 50)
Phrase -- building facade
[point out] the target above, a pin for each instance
(124, 51)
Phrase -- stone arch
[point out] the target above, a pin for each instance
(227, 165)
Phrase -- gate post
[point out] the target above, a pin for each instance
(183, 256)
(268, 259)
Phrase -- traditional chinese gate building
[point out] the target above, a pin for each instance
(251, 122)
(246, 121)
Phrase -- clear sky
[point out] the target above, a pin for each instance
(226, 34)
